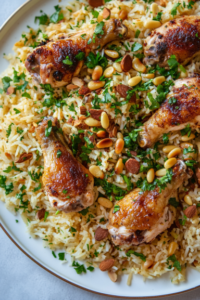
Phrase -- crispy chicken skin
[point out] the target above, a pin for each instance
(68, 184)
(143, 216)
(46, 65)
(179, 37)
(172, 117)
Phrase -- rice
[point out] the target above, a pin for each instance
(21, 184)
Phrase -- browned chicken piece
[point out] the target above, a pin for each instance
(172, 117)
(142, 216)
(68, 184)
(179, 37)
(46, 65)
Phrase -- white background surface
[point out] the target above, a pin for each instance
(22, 279)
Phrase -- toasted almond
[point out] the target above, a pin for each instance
(95, 3)
(40, 214)
(83, 110)
(112, 276)
(126, 63)
(101, 134)
(95, 113)
(106, 264)
(106, 13)
(8, 155)
(71, 87)
(123, 14)
(82, 117)
(23, 157)
(190, 212)
(148, 263)
(132, 166)
(105, 143)
(84, 90)
(100, 234)
(122, 89)
(77, 81)
(10, 90)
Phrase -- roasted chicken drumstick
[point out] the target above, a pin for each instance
(68, 184)
(174, 115)
(179, 37)
(142, 216)
(46, 64)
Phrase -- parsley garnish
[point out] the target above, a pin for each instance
(173, 202)
(67, 61)
(140, 255)
(116, 208)
(48, 129)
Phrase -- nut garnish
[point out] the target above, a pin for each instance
(190, 212)
(107, 264)
(23, 157)
(101, 234)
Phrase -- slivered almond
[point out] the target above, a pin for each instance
(40, 214)
(10, 90)
(23, 157)
(100, 234)
(126, 63)
(80, 124)
(83, 110)
(84, 90)
(77, 81)
(106, 264)
(95, 113)
(71, 87)
(106, 13)
(190, 212)
(70, 120)
(112, 276)
(122, 89)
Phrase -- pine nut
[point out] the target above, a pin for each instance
(174, 152)
(138, 66)
(158, 80)
(120, 135)
(109, 72)
(151, 24)
(168, 148)
(186, 138)
(148, 263)
(172, 248)
(105, 143)
(154, 9)
(98, 71)
(150, 175)
(188, 200)
(117, 67)
(101, 134)
(112, 276)
(90, 71)
(104, 120)
(119, 146)
(119, 166)
(148, 76)
(96, 172)
(170, 163)
(186, 145)
(92, 122)
(95, 85)
(161, 172)
(105, 202)
(134, 80)
(112, 53)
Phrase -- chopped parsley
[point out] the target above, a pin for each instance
(67, 61)
(57, 16)
(78, 268)
(140, 255)
(59, 153)
(48, 129)
(173, 202)
(176, 263)
(116, 208)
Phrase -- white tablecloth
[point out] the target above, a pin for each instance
(22, 279)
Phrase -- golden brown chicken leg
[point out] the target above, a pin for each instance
(142, 216)
(46, 62)
(184, 110)
(179, 37)
(68, 184)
